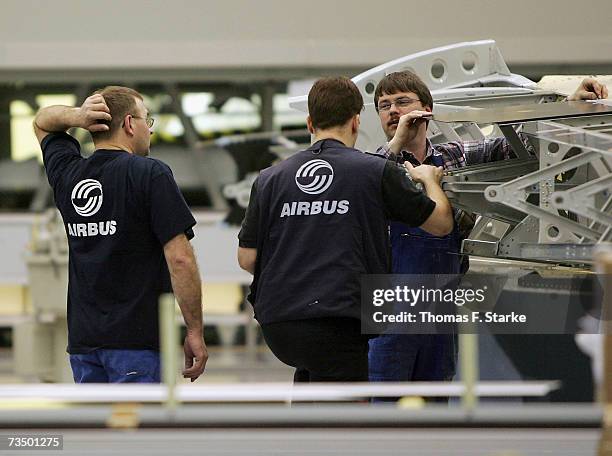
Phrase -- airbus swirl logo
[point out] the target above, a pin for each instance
(86, 197)
(314, 176)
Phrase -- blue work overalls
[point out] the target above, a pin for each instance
(417, 357)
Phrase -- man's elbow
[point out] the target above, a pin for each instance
(445, 228)
(38, 132)
(446, 222)
(248, 266)
(439, 224)
(246, 259)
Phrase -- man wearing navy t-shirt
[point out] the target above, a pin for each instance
(128, 230)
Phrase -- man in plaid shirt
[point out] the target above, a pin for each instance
(404, 104)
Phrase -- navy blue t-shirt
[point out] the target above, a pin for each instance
(319, 221)
(119, 210)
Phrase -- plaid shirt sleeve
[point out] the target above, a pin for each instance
(383, 151)
(454, 156)
(489, 150)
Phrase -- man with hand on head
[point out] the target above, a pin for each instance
(404, 105)
(315, 223)
(128, 230)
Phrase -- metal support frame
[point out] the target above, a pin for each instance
(591, 147)
(572, 177)
(513, 194)
(515, 141)
(580, 200)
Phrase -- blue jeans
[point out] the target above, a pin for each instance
(413, 357)
(116, 366)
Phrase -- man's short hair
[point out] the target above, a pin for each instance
(403, 81)
(120, 101)
(333, 101)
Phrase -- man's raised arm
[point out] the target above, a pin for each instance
(440, 222)
(60, 118)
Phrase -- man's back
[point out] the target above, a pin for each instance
(324, 215)
(116, 234)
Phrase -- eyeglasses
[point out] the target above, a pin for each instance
(149, 120)
(403, 102)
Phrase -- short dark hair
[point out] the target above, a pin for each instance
(403, 81)
(120, 101)
(333, 101)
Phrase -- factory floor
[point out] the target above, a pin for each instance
(336, 442)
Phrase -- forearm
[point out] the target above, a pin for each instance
(187, 288)
(435, 192)
(443, 211)
(394, 146)
(57, 118)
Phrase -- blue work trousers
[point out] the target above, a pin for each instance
(116, 366)
(417, 357)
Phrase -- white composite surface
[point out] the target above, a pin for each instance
(258, 392)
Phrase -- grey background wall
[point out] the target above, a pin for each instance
(557, 35)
